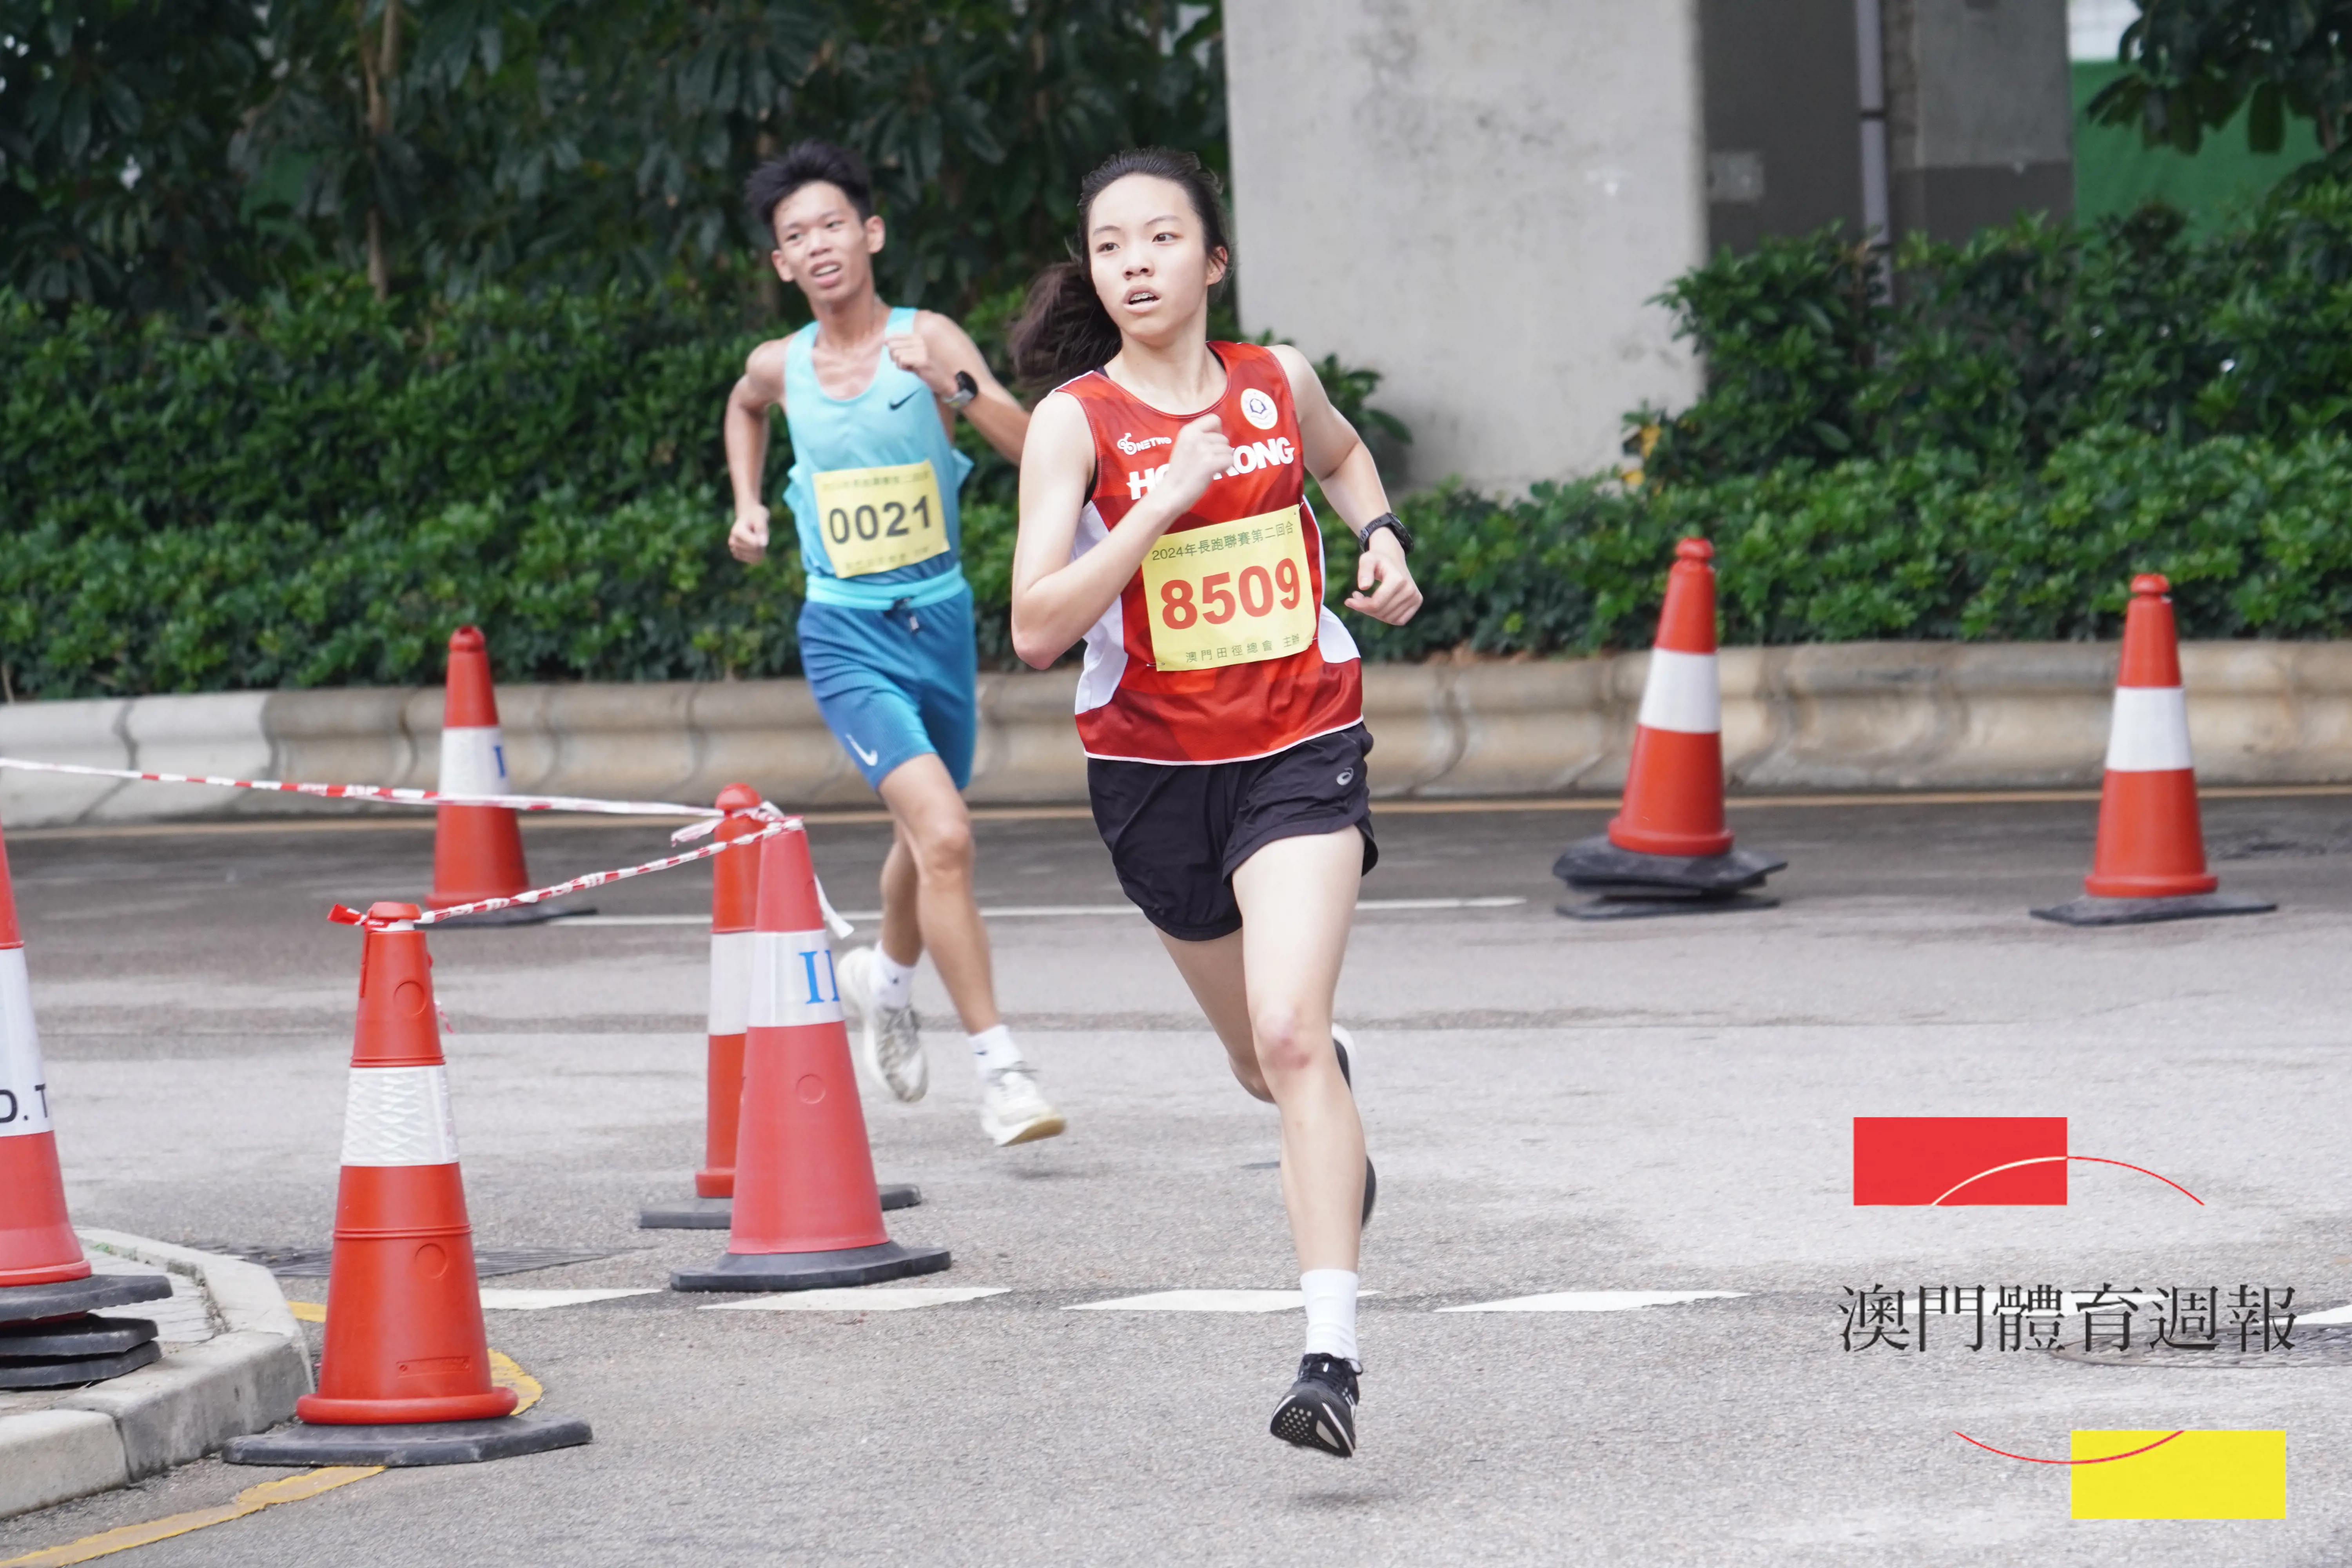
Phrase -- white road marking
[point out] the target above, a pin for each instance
(1593, 1300)
(495, 1299)
(2333, 1315)
(862, 1299)
(1206, 1301)
(1053, 911)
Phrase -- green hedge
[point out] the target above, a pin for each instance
(316, 492)
(2019, 341)
(1931, 545)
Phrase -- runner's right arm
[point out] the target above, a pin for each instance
(1054, 598)
(761, 388)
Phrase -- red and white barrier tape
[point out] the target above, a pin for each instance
(343, 915)
(387, 794)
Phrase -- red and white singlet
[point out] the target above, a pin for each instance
(1220, 649)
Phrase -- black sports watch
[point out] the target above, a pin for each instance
(966, 390)
(1388, 520)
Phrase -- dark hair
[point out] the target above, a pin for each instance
(804, 164)
(1063, 331)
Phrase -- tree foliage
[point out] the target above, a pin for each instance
(172, 153)
(2190, 65)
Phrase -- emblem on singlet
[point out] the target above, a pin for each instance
(1258, 408)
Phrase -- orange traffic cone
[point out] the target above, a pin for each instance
(406, 1370)
(808, 1214)
(734, 908)
(43, 1274)
(478, 849)
(1668, 850)
(2149, 864)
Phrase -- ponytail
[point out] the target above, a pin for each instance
(1063, 331)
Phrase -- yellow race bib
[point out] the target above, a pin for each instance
(872, 520)
(1231, 593)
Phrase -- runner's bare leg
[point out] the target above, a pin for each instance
(1302, 891)
(934, 829)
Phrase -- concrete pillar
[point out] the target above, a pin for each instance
(1476, 198)
(1783, 142)
(1979, 113)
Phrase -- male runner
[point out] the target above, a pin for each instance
(870, 396)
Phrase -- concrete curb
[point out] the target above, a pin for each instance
(243, 1379)
(1847, 716)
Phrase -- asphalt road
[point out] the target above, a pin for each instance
(1556, 1106)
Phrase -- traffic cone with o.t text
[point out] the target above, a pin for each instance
(43, 1274)
(478, 849)
(2149, 863)
(808, 1214)
(1668, 850)
(734, 908)
(405, 1371)
(38, 1246)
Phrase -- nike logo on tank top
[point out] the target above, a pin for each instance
(1218, 648)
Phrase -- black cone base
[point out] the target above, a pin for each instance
(1595, 865)
(74, 1337)
(2091, 911)
(517, 915)
(71, 1372)
(423, 1442)
(719, 1214)
(811, 1271)
(1636, 907)
(22, 1303)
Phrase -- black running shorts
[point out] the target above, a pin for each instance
(1176, 831)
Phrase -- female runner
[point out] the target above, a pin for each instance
(1163, 520)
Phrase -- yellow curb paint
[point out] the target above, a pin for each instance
(252, 1500)
(307, 1311)
(504, 1372)
(507, 1375)
(2197, 1475)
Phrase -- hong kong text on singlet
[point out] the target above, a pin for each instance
(1218, 648)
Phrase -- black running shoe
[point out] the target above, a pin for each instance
(1371, 1177)
(1319, 1411)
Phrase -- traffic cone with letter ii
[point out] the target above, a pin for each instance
(807, 1215)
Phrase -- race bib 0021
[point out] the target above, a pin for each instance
(1231, 593)
(874, 520)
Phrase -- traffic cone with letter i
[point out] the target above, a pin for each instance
(808, 1214)
(1668, 850)
(734, 910)
(478, 849)
(46, 1288)
(2149, 863)
(405, 1378)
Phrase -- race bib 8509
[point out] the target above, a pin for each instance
(1231, 593)
(874, 519)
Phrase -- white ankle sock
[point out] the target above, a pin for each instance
(1330, 1312)
(894, 983)
(993, 1049)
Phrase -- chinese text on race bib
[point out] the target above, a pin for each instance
(877, 519)
(1231, 593)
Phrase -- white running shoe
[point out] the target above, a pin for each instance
(1013, 1110)
(890, 1039)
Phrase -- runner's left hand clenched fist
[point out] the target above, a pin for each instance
(911, 354)
(1386, 591)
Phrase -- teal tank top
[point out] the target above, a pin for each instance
(875, 528)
